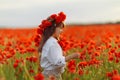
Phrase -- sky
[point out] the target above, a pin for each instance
(29, 13)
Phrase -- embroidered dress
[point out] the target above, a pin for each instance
(52, 59)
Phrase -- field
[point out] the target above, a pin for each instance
(98, 45)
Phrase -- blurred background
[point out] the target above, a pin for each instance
(29, 13)
(93, 31)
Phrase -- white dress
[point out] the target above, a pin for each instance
(52, 59)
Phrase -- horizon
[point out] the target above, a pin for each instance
(71, 24)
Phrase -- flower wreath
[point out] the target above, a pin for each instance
(47, 23)
(57, 18)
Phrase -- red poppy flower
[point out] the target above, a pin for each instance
(15, 65)
(61, 17)
(82, 64)
(39, 76)
(115, 77)
(72, 66)
(53, 16)
(46, 23)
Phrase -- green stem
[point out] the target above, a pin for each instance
(26, 71)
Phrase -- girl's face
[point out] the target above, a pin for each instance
(58, 31)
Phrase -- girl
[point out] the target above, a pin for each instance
(52, 60)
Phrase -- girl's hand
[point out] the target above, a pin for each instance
(72, 56)
(76, 55)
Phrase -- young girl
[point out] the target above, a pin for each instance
(52, 60)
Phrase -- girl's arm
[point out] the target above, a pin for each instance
(72, 56)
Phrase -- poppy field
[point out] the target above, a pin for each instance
(98, 46)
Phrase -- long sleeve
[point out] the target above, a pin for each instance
(55, 56)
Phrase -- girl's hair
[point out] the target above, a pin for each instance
(48, 32)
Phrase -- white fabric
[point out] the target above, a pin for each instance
(52, 58)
